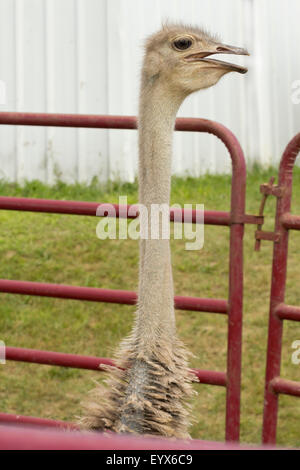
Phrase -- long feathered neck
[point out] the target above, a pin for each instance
(147, 394)
(158, 378)
(158, 108)
(157, 112)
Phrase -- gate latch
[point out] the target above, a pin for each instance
(267, 189)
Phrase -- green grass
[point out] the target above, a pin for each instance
(65, 249)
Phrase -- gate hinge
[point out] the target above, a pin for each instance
(267, 189)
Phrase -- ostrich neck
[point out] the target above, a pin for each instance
(157, 115)
(153, 334)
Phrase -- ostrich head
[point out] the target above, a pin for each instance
(180, 56)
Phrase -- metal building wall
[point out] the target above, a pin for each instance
(84, 56)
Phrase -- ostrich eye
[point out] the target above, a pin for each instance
(182, 44)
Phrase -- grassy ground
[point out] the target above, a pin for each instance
(65, 249)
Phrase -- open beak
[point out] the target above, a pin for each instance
(220, 49)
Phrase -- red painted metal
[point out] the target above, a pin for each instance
(288, 312)
(34, 438)
(105, 295)
(287, 387)
(69, 120)
(53, 358)
(90, 208)
(7, 418)
(291, 221)
(275, 385)
(235, 220)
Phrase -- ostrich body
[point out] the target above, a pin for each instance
(148, 393)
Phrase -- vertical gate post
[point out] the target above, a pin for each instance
(234, 344)
(278, 283)
(235, 295)
(235, 300)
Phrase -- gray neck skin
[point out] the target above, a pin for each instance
(154, 329)
(155, 315)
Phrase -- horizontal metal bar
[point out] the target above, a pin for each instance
(269, 236)
(253, 219)
(105, 295)
(286, 387)
(53, 358)
(291, 221)
(44, 422)
(209, 377)
(288, 312)
(69, 120)
(90, 208)
(53, 206)
(34, 438)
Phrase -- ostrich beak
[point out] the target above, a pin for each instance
(220, 49)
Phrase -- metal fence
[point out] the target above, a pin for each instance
(234, 219)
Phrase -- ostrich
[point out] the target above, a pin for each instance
(148, 393)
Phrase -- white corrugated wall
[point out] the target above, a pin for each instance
(84, 56)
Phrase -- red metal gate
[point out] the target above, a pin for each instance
(235, 220)
(279, 311)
